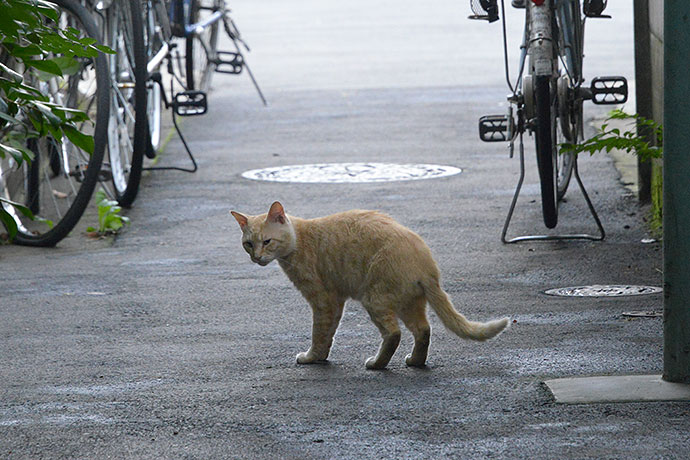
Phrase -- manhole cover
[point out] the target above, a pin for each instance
(603, 291)
(332, 173)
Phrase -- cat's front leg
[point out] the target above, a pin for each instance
(326, 313)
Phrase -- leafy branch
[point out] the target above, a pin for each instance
(628, 140)
(32, 49)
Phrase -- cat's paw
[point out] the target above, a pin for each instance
(305, 358)
(371, 364)
(414, 362)
(308, 358)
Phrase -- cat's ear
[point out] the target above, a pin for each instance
(240, 218)
(276, 214)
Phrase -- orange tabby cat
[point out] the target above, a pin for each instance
(366, 256)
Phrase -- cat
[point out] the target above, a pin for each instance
(366, 256)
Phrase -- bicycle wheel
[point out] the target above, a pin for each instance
(200, 48)
(58, 184)
(127, 134)
(154, 38)
(547, 161)
(565, 162)
(569, 25)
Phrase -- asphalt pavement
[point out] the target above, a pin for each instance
(167, 342)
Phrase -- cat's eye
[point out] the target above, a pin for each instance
(267, 242)
(248, 244)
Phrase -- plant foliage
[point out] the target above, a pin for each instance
(628, 140)
(34, 48)
(109, 219)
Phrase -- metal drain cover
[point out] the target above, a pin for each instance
(598, 290)
(333, 173)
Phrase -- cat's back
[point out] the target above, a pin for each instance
(361, 220)
(367, 227)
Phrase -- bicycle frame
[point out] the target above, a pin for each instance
(547, 98)
(166, 30)
(179, 15)
(543, 34)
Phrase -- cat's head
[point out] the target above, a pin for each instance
(267, 237)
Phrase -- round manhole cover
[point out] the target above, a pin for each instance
(333, 173)
(603, 291)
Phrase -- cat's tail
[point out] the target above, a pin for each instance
(455, 321)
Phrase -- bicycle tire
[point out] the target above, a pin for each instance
(565, 129)
(569, 24)
(546, 154)
(33, 179)
(128, 132)
(155, 34)
(69, 192)
(200, 49)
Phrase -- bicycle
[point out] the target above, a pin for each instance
(547, 99)
(196, 23)
(57, 185)
(120, 24)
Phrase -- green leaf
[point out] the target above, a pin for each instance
(46, 65)
(13, 152)
(68, 65)
(81, 140)
(14, 76)
(9, 118)
(22, 209)
(47, 113)
(48, 9)
(9, 223)
(25, 52)
(104, 49)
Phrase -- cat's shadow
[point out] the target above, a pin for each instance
(329, 367)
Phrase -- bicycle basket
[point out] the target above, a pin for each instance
(594, 8)
(484, 9)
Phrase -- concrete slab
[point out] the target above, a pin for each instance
(623, 388)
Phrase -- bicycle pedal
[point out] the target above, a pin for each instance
(609, 90)
(229, 62)
(190, 103)
(496, 128)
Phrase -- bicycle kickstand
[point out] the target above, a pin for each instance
(236, 60)
(581, 236)
(184, 103)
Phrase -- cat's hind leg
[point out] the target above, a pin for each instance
(414, 318)
(326, 313)
(387, 323)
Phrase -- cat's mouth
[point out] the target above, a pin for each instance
(261, 262)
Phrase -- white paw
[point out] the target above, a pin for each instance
(305, 358)
(371, 364)
(309, 358)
